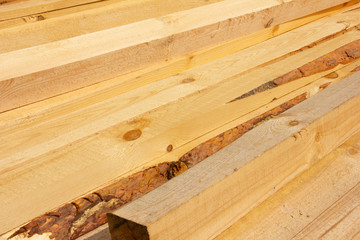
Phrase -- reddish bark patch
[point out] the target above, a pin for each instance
(342, 55)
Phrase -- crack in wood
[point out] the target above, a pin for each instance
(343, 55)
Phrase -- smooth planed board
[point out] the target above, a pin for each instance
(210, 197)
(322, 203)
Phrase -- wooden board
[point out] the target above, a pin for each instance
(203, 201)
(322, 203)
(85, 97)
(78, 151)
(100, 233)
(69, 64)
(42, 28)
(17, 8)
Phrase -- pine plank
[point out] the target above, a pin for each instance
(82, 156)
(40, 28)
(322, 203)
(17, 8)
(69, 64)
(85, 97)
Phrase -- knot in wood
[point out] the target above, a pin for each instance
(332, 75)
(169, 148)
(353, 151)
(132, 135)
(294, 123)
(188, 80)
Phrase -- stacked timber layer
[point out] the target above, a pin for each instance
(168, 122)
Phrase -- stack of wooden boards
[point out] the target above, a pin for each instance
(225, 119)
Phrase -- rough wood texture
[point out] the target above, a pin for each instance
(342, 55)
(69, 64)
(18, 8)
(322, 203)
(62, 223)
(42, 28)
(96, 93)
(258, 163)
(105, 149)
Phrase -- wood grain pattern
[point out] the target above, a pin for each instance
(42, 28)
(82, 98)
(301, 203)
(189, 159)
(69, 64)
(322, 203)
(90, 148)
(18, 8)
(202, 202)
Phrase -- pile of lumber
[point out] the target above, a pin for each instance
(161, 119)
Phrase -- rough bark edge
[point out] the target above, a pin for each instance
(342, 55)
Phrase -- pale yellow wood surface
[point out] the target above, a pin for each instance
(43, 28)
(103, 232)
(18, 8)
(81, 98)
(312, 87)
(69, 64)
(205, 200)
(79, 119)
(33, 17)
(84, 122)
(322, 203)
(81, 147)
